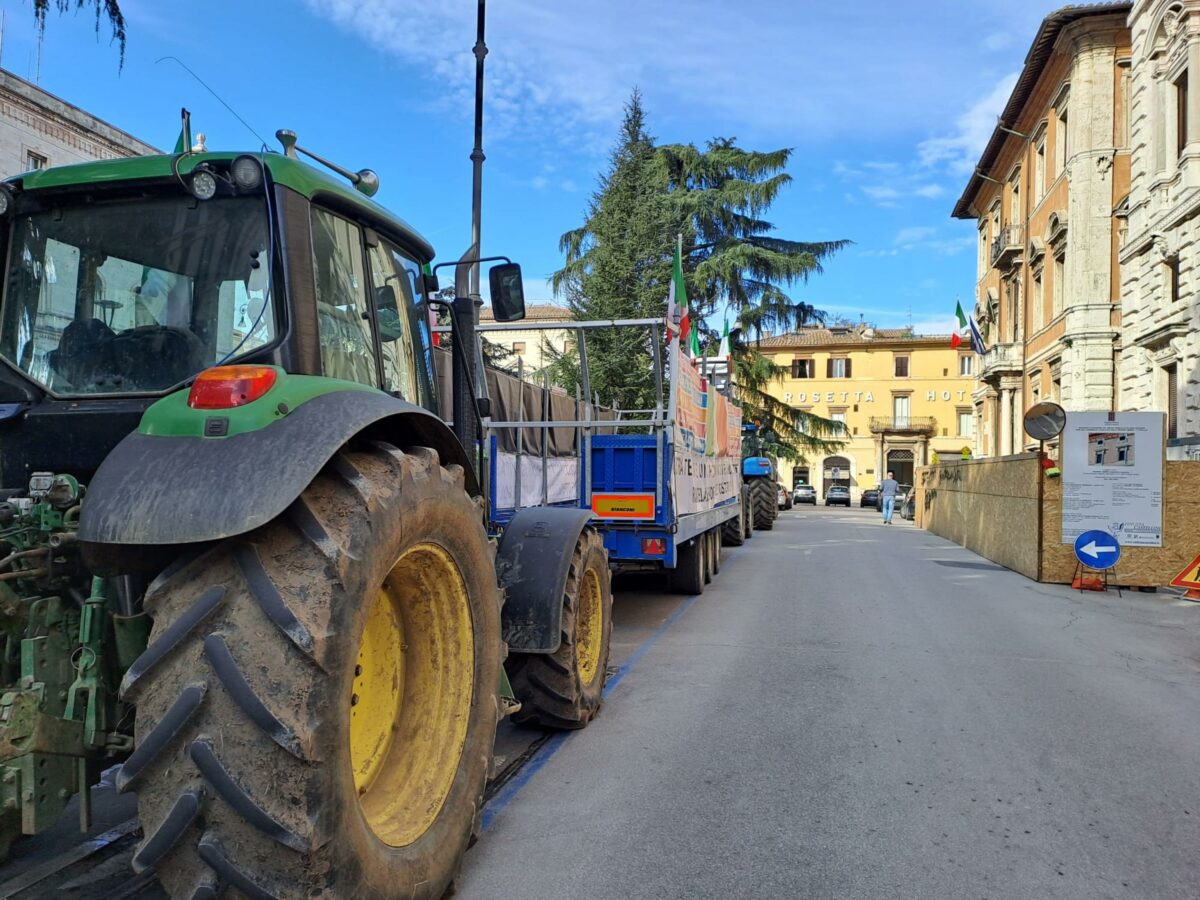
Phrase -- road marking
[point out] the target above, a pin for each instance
(537, 762)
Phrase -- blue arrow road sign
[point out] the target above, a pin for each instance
(1097, 549)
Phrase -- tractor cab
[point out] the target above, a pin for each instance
(124, 279)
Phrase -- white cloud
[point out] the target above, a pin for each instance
(998, 40)
(914, 234)
(559, 72)
(959, 151)
(935, 325)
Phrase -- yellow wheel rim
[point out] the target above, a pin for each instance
(411, 698)
(589, 627)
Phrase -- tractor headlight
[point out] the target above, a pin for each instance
(6, 200)
(204, 185)
(247, 173)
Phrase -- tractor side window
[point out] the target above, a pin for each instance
(394, 313)
(341, 288)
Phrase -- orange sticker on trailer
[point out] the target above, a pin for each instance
(623, 506)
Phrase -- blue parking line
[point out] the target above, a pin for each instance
(496, 805)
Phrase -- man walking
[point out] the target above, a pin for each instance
(887, 492)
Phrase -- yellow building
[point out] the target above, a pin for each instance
(902, 397)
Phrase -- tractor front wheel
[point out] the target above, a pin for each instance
(318, 702)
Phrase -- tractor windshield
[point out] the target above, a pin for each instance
(135, 296)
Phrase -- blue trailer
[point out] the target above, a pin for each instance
(664, 485)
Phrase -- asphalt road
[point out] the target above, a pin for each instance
(853, 710)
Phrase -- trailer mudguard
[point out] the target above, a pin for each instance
(170, 489)
(533, 564)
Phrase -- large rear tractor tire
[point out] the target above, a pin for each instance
(763, 499)
(564, 689)
(317, 706)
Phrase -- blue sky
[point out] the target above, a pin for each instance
(886, 105)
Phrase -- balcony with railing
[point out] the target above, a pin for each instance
(904, 425)
(1008, 246)
(1002, 359)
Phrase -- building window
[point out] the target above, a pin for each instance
(837, 368)
(838, 415)
(1172, 265)
(518, 347)
(803, 368)
(983, 247)
(1039, 170)
(900, 411)
(966, 423)
(1039, 299)
(1058, 288)
(966, 364)
(35, 161)
(1062, 142)
(1014, 208)
(1099, 457)
(901, 366)
(1122, 454)
(1181, 116)
(1012, 325)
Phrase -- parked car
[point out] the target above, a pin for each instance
(784, 499)
(837, 495)
(805, 493)
(870, 498)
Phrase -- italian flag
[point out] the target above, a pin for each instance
(677, 305)
(723, 351)
(957, 337)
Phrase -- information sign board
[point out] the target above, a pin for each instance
(1112, 476)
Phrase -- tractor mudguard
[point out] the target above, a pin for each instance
(162, 490)
(533, 563)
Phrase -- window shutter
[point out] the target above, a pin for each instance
(1172, 401)
(848, 374)
(829, 368)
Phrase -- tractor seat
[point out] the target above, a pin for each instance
(156, 357)
(83, 356)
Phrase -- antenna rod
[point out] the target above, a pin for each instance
(477, 156)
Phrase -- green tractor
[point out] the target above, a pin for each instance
(240, 553)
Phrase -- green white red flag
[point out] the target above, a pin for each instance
(677, 305)
(957, 337)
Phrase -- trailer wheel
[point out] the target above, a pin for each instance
(733, 531)
(747, 512)
(715, 538)
(688, 575)
(564, 689)
(317, 705)
(706, 540)
(763, 499)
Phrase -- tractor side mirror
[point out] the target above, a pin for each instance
(387, 314)
(508, 292)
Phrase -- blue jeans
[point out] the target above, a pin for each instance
(889, 503)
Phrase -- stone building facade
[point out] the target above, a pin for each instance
(1160, 256)
(38, 130)
(904, 399)
(1045, 194)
